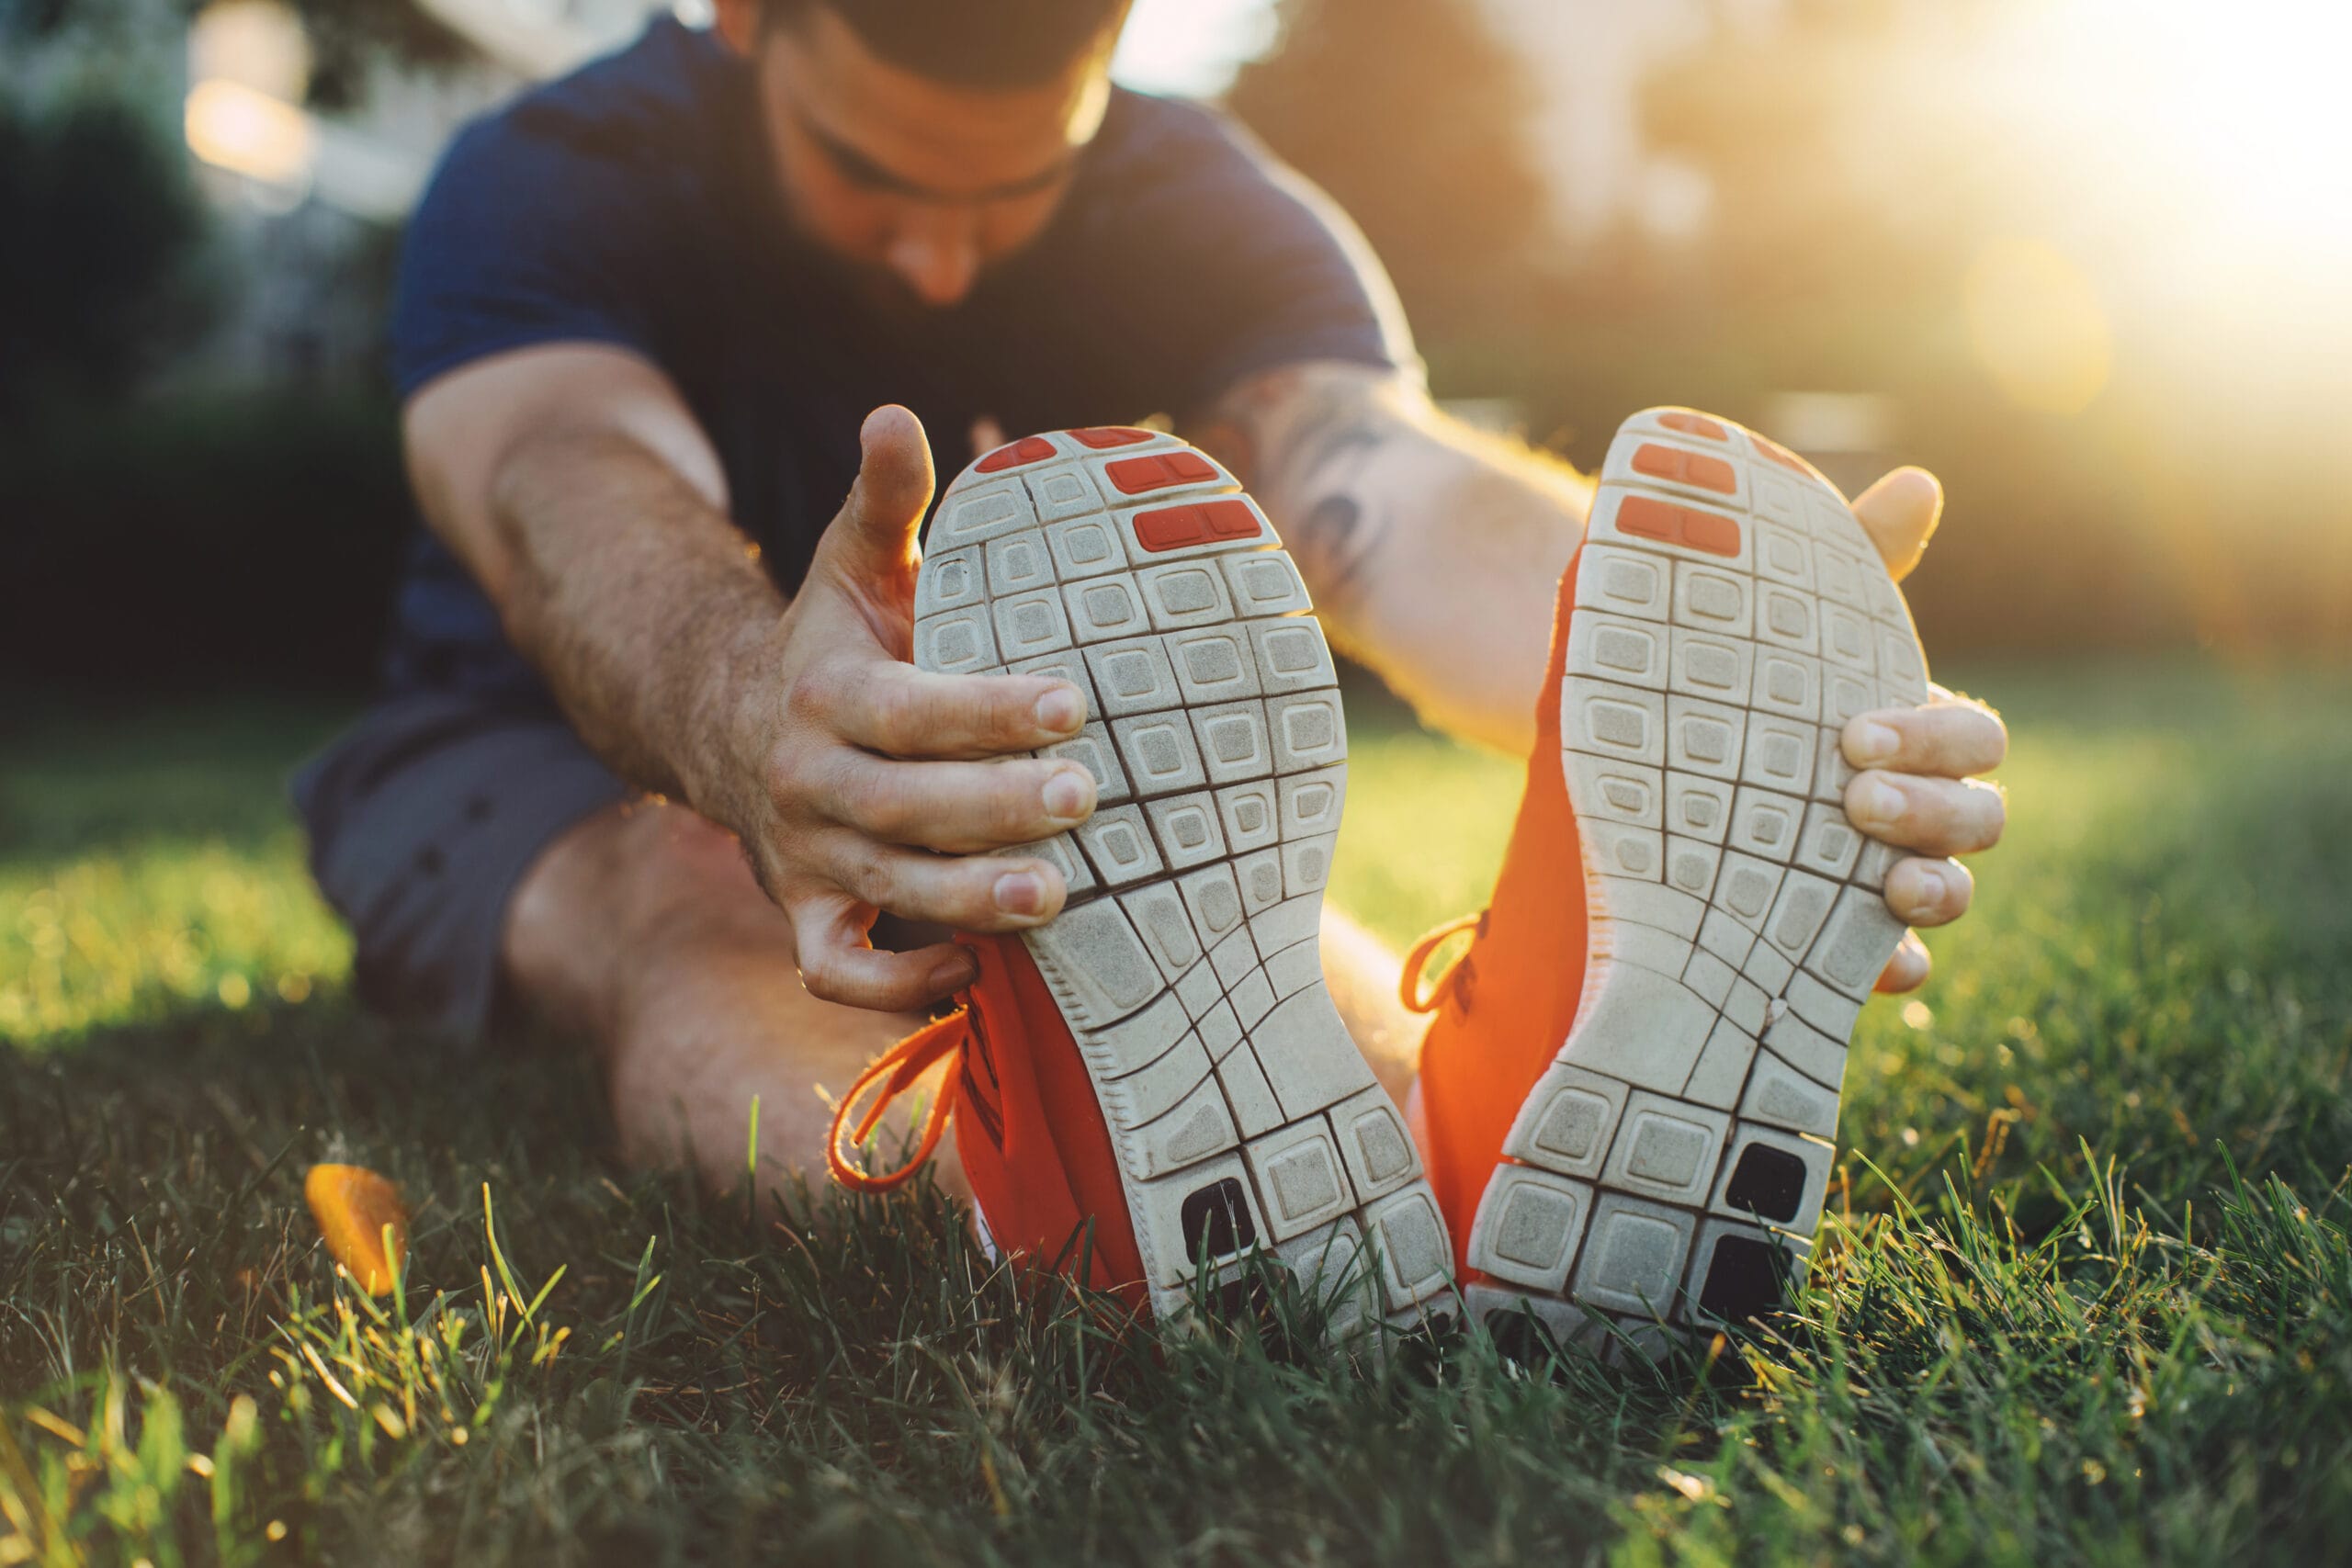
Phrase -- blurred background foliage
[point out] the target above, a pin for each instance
(346, 37)
(111, 288)
(2136, 396)
(1426, 146)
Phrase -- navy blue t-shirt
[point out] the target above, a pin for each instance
(634, 203)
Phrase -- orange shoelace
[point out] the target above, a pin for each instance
(897, 1071)
(1455, 977)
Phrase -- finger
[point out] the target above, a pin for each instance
(902, 710)
(955, 807)
(987, 436)
(872, 538)
(1900, 513)
(1909, 968)
(1935, 816)
(971, 892)
(838, 963)
(1929, 892)
(1954, 738)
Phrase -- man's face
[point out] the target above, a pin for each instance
(916, 186)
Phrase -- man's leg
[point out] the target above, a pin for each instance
(1361, 972)
(643, 927)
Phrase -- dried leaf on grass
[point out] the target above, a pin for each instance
(354, 1208)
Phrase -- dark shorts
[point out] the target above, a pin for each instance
(422, 816)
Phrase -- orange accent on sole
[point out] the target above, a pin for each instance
(1135, 476)
(1174, 527)
(1101, 436)
(1648, 518)
(1028, 449)
(1695, 424)
(1686, 467)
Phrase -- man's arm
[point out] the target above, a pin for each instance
(576, 486)
(1434, 554)
(1433, 550)
(594, 516)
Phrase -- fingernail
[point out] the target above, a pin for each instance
(1021, 893)
(1061, 710)
(1070, 795)
(954, 974)
(1874, 803)
(1871, 742)
(1929, 897)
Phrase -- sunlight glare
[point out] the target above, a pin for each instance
(1191, 48)
(2189, 162)
(2240, 110)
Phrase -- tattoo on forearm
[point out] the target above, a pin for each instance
(1338, 529)
(1333, 425)
(1316, 440)
(1272, 431)
(1338, 537)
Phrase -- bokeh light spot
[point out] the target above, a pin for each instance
(2037, 326)
(233, 127)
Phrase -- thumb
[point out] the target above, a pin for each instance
(872, 538)
(1900, 513)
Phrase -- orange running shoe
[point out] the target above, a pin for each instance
(1162, 1059)
(1629, 1090)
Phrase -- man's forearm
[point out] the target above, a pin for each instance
(637, 599)
(1434, 551)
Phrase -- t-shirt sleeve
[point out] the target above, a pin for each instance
(1249, 267)
(523, 237)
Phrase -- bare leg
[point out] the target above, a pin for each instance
(643, 926)
(1361, 974)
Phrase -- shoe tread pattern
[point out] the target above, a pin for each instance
(1186, 960)
(1671, 1164)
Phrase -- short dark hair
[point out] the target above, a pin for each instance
(972, 43)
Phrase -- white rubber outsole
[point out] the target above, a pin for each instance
(1186, 962)
(1669, 1168)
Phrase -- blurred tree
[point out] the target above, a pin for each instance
(1847, 164)
(99, 282)
(1867, 160)
(1415, 119)
(345, 33)
(199, 538)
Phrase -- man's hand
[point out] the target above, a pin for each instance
(1919, 787)
(575, 483)
(845, 767)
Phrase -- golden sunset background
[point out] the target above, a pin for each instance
(2083, 258)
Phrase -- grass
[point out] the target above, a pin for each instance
(2087, 1295)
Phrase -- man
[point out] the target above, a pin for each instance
(650, 759)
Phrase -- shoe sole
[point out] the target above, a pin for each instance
(1669, 1168)
(1187, 961)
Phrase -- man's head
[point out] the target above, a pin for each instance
(919, 140)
